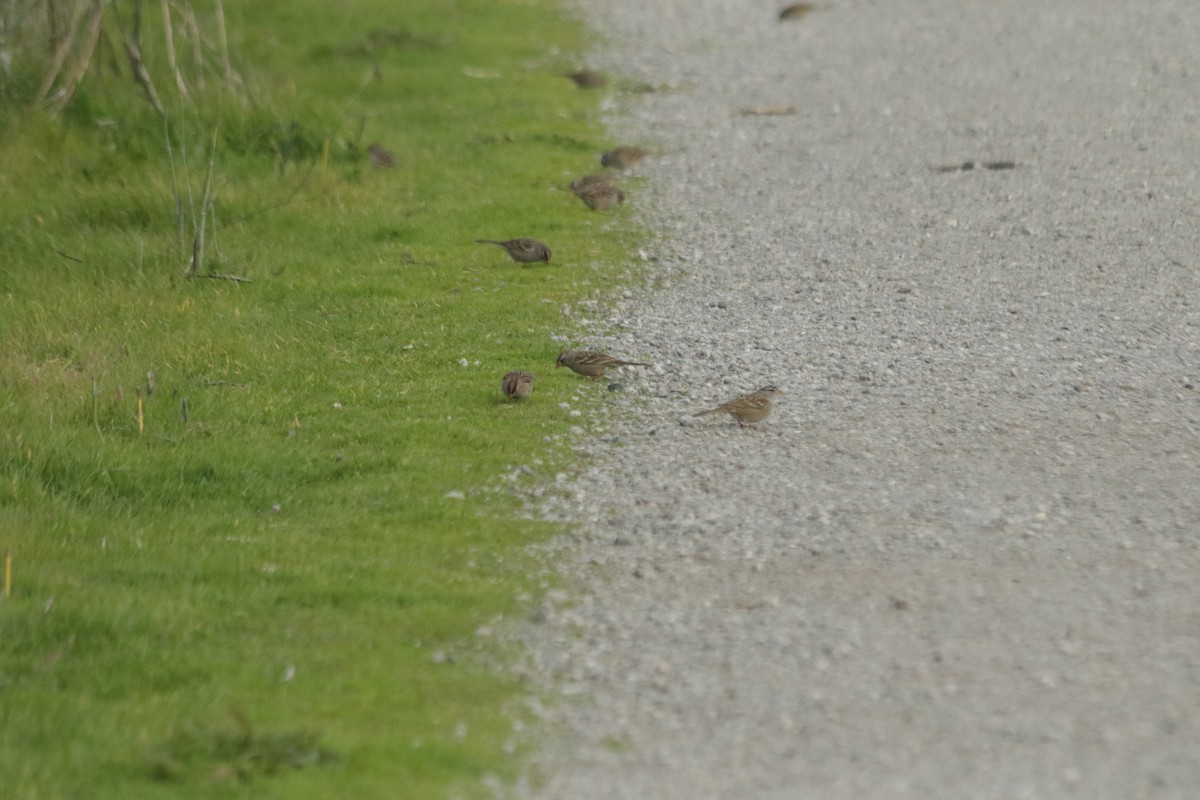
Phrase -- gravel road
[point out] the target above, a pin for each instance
(961, 559)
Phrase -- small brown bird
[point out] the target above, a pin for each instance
(748, 409)
(517, 384)
(601, 197)
(379, 157)
(523, 251)
(588, 79)
(592, 181)
(623, 157)
(796, 11)
(590, 363)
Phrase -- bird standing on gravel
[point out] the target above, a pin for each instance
(590, 363)
(796, 11)
(622, 157)
(748, 409)
(517, 384)
(523, 251)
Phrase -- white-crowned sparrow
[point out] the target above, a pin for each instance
(379, 157)
(517, 384)
(524, 251)
(590, 363)
(588, 79)
(748, 409)
(622, 157)
(601, 197)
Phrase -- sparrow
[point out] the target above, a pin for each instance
(517, 384)
(622, 157)
(593, 181)
(601, 197)
(796, 11)
(379, 157)
(588, 79)
(748, 409)
(523, 251)
(591, 364)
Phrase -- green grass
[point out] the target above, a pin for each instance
(280, 595)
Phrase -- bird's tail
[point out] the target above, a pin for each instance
(489, 241)
(632, 364)
(705, 413)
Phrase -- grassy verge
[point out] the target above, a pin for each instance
(275, 586)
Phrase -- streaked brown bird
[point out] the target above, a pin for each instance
(591, 363)
(748, 409)
(523, 251)
(379, 157)
(622, 157)
(588, 79)
(592, 181)
(517, 384)
(601, 197)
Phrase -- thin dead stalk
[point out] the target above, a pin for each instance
(224, 42)
(169, 35)
(174, 189)
(220, 276)
(63, 48)
(134, 51)
(205, 200)
(189, 17)
(84, 61)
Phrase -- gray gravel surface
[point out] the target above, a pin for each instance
(960, 560)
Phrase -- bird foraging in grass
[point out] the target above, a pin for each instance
(601, 197)
(588, 182)
(588, 79)
(622, 157)
(591, 363)
(517, 384)
(523, 251)
(748, 409)
(379, 157)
